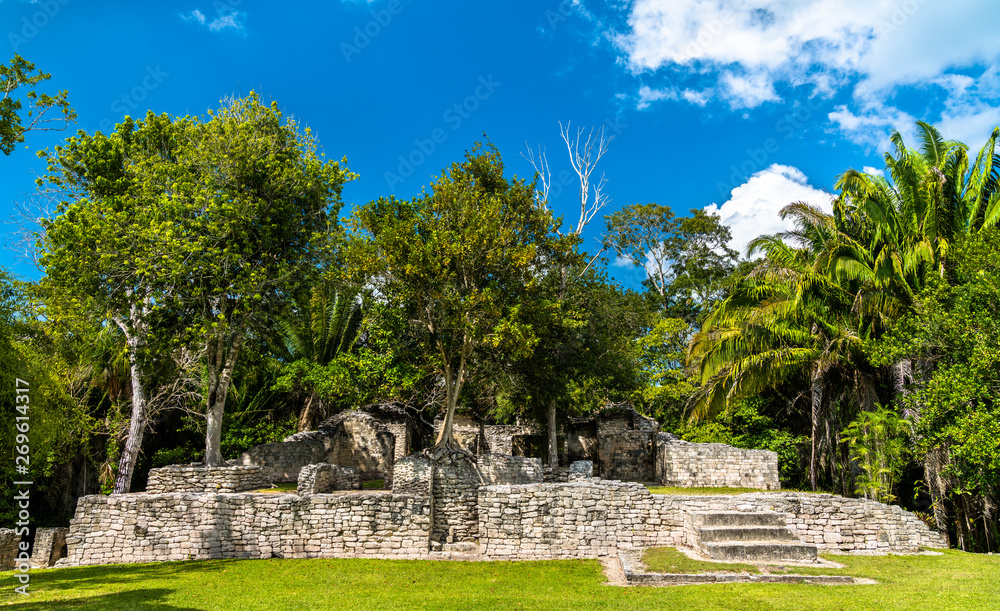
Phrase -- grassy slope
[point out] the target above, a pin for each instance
(952, 581)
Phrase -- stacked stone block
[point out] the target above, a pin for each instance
(197, 478)
(159, 527)
(501, 469)
(9, 541)
(324, 477)
(683, 464)
(49, 546)
(281, 462)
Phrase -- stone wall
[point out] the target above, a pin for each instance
(49, 546)
(9, 541)
(142, 527)
(197, 478)
(572, 520)
(501, 469)
(282, 461)
(361, 443)
(324, 477)
(828, 521)
(456, 487)
(592, 518)
(499, 438)
(679, 463)
(626, 455)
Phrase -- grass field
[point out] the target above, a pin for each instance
(954, 580)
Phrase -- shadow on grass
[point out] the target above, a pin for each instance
(138, 600)
(71, 578)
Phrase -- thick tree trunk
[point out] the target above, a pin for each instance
(553, 439)
(453, 387)
(220, 376)
(817, 405)
(136, 427)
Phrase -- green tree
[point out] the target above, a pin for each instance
(460, 259)
(877, 440)
(687, 259)
(21, 73)
(102, 249)
(251, 207)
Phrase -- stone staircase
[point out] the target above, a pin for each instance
(746, 537)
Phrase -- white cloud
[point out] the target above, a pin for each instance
(740, 50)
(232, 20)
(753, 207)
(871, 170)
(194, 15)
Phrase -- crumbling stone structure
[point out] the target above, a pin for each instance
(369, 440)
(323, 478)
(49, 547)
(595, 518)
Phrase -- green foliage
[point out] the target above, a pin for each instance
(687, 259)
(746, 427)
(877, 440)
(461, 261)
(22, 73)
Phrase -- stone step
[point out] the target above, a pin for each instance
(701, 519)
(716, 534)
(760, 551)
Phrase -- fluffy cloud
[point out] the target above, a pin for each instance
(737, 51)
(232, 20)
(753, 207)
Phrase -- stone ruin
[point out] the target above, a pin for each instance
(489, 502)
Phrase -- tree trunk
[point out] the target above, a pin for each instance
(308, 415)
(453, 387)
(817, 404)
(553, 439)
(934, 462)
(136, 427)
(220, 376)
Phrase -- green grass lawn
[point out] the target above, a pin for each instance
(955, 580)
(669, 560)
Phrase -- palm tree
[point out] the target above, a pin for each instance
(316, 330)
(789, 320)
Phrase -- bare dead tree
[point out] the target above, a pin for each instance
(585, 149)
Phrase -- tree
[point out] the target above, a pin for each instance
(251, 208)
(22, 73)
(788, 320)
(186, 231)
(585, 152)
(320, 325)
(687, 259)
(461, 259)
(101, 250)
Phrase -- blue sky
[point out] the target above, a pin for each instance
(736, 106)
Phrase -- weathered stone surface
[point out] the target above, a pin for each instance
(198, 478)
(157, 527)
(324, 477)
(593, 518)
(49, 546)
(683, 464)
(581, 469)
(9, 541)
